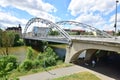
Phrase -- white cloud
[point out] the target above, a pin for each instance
(95, 12)
(86, 6)
(33, 7)
(7, 20)
(90, 19)
(29, 4)
(112, 18)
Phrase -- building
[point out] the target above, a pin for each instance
(16, 29)
(40, 31)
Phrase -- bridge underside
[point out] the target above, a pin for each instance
(77, 47)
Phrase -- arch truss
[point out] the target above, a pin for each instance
(50, 24)
(78, 24)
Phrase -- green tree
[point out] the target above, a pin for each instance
(7, 40)
(0, 37)
(17, 37)
(118, 33)
(50, 57)
(53, 33)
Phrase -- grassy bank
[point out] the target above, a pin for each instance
(79, 76)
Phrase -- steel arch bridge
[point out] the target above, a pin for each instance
(66, 37)
(98, 32)
(51, 25)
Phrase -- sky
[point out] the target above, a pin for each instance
(97, 13)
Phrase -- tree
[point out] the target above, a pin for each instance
(7, 40)
(50, 57)
(53, 33)
(0, 37)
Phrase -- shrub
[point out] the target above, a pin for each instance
(36, 63)
(7, 64)
(50, 58)
(26, 65)
(40, 56)
(9, 67)
(30, 55)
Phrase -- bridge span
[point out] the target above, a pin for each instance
(76, 44)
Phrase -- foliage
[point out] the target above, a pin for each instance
(7, 64)
(118, 33)
(36, 63)
(17, 40)
(54, 33)
(17, 37)
(7, 40)
(30, 55)
(20, 42)
(45, 59)
(26, 65)
(0, 37)
(50, 58)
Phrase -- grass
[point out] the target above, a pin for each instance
(79, 76)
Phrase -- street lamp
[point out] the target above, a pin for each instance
(115, 25)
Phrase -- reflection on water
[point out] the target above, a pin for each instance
(19, 52)
(61, 52)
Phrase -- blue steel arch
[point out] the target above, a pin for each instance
(99, 32)
(50, 24)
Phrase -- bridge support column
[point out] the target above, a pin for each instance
(68, 57)
(89, 54)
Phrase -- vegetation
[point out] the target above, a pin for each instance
(7, 64)
(17, 40)
(10, 68)
(53, 33)
(9, 39)
(79, 76)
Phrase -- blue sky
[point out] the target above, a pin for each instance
(97, 13)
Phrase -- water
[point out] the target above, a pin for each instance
(61, 52)
(19, 52)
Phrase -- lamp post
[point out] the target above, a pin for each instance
(115, 25)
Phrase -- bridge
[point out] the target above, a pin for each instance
(76, 43)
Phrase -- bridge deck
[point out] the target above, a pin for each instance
(96, 40)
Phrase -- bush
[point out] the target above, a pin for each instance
(7, 64)
(36, 63)
(30, 55)
(26, 65)
(40, 56)
(50, 58)
(9, 67)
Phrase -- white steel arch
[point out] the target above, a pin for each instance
(99, 32)
(50, 24)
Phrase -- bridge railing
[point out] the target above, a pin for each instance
(84, 36)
